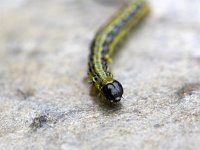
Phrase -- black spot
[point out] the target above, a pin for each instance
(90, 70)
(95, 78)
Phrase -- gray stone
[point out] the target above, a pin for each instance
(45, 102)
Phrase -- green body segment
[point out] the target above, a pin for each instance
(109, 36)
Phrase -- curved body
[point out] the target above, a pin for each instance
(104, 43)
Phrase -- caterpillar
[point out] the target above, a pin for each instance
(104, 43)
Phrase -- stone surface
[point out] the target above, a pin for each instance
(45, 103)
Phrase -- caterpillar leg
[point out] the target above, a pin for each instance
(87, 79)
(94, 91)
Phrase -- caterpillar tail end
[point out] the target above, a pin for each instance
(113, 91)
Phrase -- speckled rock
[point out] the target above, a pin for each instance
(45, 103)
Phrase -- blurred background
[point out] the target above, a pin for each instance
(45, 103)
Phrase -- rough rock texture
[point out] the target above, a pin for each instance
(45, 103)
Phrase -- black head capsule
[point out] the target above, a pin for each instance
(113, 91)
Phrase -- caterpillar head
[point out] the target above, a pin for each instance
(113, 91)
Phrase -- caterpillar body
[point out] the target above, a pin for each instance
(104, 43)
